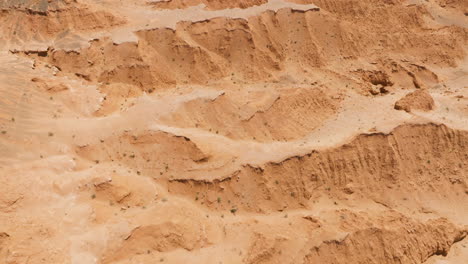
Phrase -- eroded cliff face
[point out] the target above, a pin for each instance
(301, 131)
(31, 21)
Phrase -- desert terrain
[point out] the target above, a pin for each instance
(240, 131)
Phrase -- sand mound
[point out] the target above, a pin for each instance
(154, 153)
(458, 6)
(116, 96)
(49, 85)
(264, 116)
(122, 190)
(419, 100)
(413, 248)
(210, 4)
(160, 238)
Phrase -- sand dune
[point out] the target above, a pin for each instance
(245, 131)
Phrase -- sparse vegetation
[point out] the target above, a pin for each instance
(353, 167)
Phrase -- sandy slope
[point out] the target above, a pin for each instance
(207, 131)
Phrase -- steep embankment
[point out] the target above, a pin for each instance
(24, 22)
(256, 49)
(422, 158)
